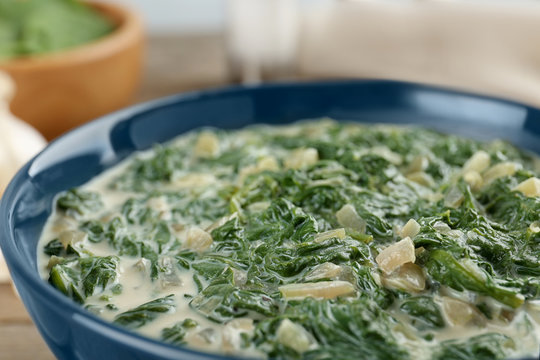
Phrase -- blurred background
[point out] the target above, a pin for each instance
(485, 46)
(63, 63)
(160, 47)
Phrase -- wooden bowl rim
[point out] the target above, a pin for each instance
(128, 31)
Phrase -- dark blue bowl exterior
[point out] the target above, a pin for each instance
(73, 333)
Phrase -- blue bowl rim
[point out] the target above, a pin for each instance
(31, 276)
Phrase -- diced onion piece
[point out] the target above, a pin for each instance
(294, 336)
(432, 196)
(244, 172)
(259, 206)
(535, 227)
(54, 260)
(194, 180)
(64, 223)
(301, 158)
(377, 278)
(478, 162)
(387, 154)
(202, 339)
(453, 198)
(442, 227)
(332, 182)
(418, 164)
(207, 145)
(71, 237)
(205, 305)
(499, 170)
(474, 179)
(198, 239)
(408, 277)
(396, 255)
(318, 128)
(239, 277)
(473, 268)
(336, 233)
(410, 229)
(421, 178)
(232, 333)
(529, 187)
(179, 228)
(160, 205)
(266, 163)
(349, 218)
(244, 324)
(455, 233)
(167, 274)
(458, 313)
(143, 265)
(322, 289)
(220, 222)
(325, 270)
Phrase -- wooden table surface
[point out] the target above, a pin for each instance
(173, 64)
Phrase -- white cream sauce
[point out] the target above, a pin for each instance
(137, 289)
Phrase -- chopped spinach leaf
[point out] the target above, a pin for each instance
(146, 312)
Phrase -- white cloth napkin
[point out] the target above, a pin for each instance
(487, 47)
(18, 143)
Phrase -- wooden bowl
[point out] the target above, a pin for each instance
(59, 91)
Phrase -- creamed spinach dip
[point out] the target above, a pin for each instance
(318, 240)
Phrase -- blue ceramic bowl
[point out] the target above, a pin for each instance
(73, 333)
